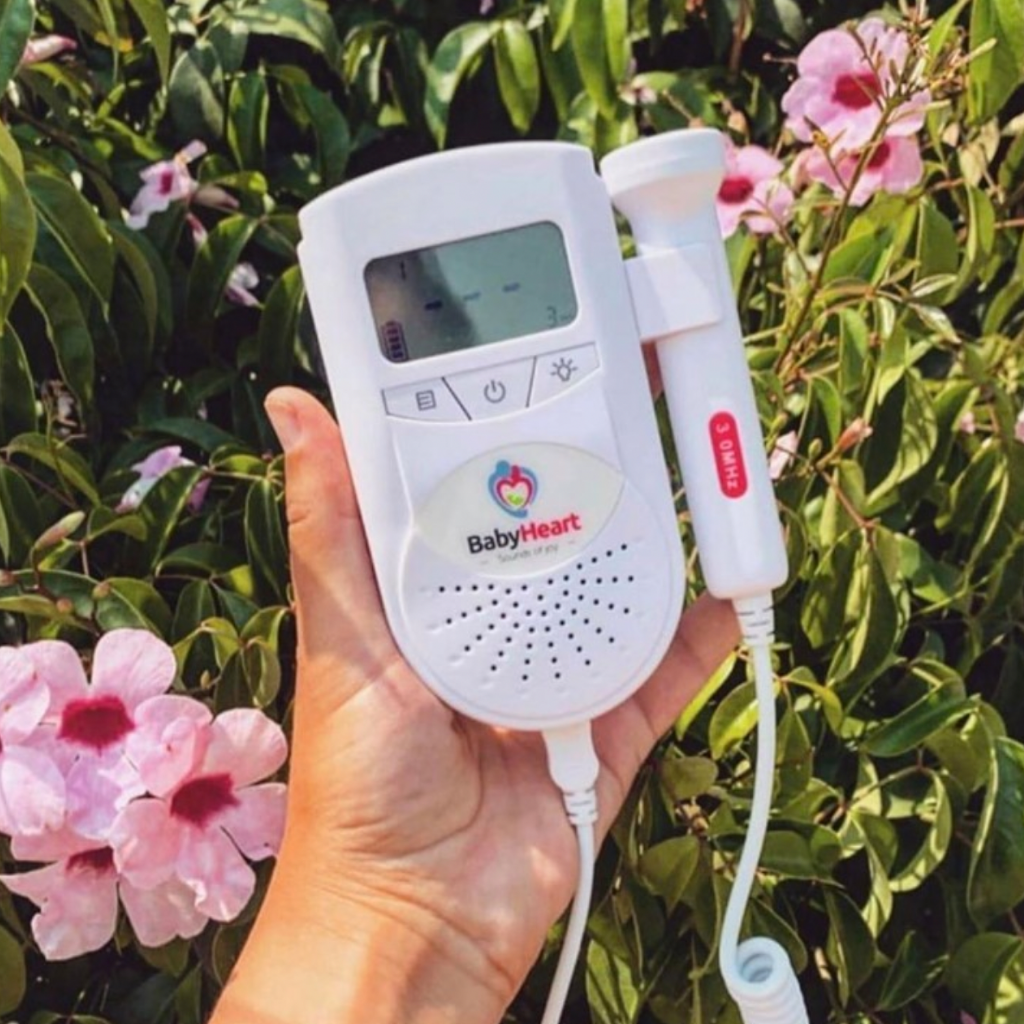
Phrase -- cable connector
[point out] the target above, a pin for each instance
(574, 767)
(757, 619)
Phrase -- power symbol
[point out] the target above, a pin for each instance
(495, 392)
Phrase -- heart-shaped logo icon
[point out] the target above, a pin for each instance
(513, 488)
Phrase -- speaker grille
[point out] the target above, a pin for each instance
(546, 644)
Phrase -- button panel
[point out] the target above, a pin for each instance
(494, 391)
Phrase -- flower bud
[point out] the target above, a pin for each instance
(856, 432)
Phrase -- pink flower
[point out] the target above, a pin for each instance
(46, 48)
(201, 822)
(90, 722)
(782, 454)
(168, 181)
(968, 424)
(844, 77)
(32, 790)
(77, 897)
(752, 192)
(154, 466)
(243, 276)
(1018, 427)
(895, 166)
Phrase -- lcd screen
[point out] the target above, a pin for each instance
(471, 292)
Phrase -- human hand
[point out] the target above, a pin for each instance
(425, 855)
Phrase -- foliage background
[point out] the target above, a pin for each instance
(895, 865)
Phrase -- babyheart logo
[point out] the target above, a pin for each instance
(513, 488)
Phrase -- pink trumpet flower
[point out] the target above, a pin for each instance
(32, 789)
(845, 75)
(154, 466)
(44, 48)
(169, 181)
(89, 723)
(894, 166)
(200, 822)
(752, 192)
(77, 897)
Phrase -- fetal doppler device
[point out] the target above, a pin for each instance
(482, 337)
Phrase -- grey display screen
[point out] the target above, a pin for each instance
(472, 292)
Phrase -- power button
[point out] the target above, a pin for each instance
(496, 391)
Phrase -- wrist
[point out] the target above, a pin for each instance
(338, 954)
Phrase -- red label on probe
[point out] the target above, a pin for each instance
(725, 443)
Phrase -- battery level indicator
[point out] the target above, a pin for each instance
(392, 336)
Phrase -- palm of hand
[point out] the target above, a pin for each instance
(401, 803)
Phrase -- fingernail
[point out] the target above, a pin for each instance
(285, 422)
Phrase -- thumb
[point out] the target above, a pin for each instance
(341, 624)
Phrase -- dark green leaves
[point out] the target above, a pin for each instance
(456, 57)
(997, 72)
(518, 73)
(16, 20)
(212, 267)
(996, 882)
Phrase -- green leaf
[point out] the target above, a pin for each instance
(911, 727)
(16, 20)
(667, 867)
(207, 436)
(330, 129)
(612, 988)
(78, 229)
(20, 517)
(162, 508)
(19, 232)
(12, 966)
(849, 946)
(733, 719)
(248, 109)
(72, 470)
(211, 269)
(616, 37)
(126, 603)
(67, 331)
(18, 407)
(913, 972)
(591, 49)
(264, 538)
(153, 15)
(686, 777)
(995, 74)
(518, 73)
(278, 335)
(262, 672)
(996, 881)
(824, 607)
(795, 855)
(195, 95)
(933, 807)
(983, 966)
(456, 57)
(300, 20)
(561, 14)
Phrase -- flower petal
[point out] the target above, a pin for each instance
(215, 871)
(757, 164)
(246, 744)
(830, 54)
(170, 739)
(161, 461)
(147, 842)
(256, 822)
(78, 908)
(161, 914)
(24, 697)
(97, 791)
(132, 664)
(31, 790)
(59, 667)
(54, 845)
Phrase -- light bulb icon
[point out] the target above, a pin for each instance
(563, 369)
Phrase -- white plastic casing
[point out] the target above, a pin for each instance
(666, 186)
(579, 617)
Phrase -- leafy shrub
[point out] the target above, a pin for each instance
(885, 338)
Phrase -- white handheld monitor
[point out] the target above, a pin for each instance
(484, 356)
